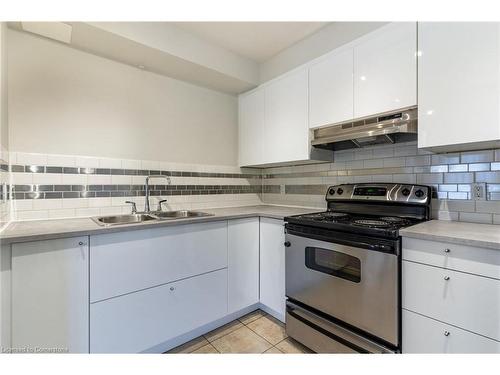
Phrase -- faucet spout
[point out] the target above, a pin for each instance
(147, 191)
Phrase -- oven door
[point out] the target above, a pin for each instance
(354, 285)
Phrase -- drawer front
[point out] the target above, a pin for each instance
(475, 260)
(425, 335)
(139, 321)
(467, 301)
(125, 262)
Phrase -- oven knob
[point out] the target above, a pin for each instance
(419, 193)
(405, 192)
(287, 244)
(331, 191)
(339, 191)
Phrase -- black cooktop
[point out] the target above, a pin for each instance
(383, 226)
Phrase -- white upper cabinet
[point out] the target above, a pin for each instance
(331, 89)
(251, 127)
(459, 85)
(273, 123)
(385, 70)
(286, 129)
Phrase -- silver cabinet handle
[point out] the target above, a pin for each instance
(447, 278)
(172, 288)
(447, 250)
(446, 333)
(81, 243)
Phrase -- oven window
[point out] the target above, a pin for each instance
(334, 263)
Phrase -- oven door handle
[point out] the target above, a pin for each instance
(382, 247)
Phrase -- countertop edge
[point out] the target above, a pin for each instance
(411, 232)
(16, 238)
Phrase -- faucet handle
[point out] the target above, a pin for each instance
(134, 206)
(159, 204)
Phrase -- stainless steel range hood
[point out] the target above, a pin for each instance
(397, 126)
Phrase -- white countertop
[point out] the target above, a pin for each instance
(22, 231)
(480, 235)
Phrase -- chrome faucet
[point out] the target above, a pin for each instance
(147, 207)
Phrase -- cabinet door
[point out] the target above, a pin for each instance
(467, 301)
(385, 70)
(286, 133)
(142, 320)
(243, 263)
(458, 83)
(50, 297)
(125, 262)
(251, 127)
(425, 335)
(272, 266)
(331, 89)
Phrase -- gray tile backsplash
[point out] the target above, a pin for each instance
(451, 176)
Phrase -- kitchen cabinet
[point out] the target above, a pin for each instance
(458, 85)
(424, 335)
(273, 123)
(129, 261)
(139, 321)
(286, 132)
(385, 70)
(331, 89)
(272, 267)
(450, 298)
(50, 295)
(467, 301)
(251, 128)
(243, 263)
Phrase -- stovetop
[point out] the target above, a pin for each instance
(372, 209)
(375, 225)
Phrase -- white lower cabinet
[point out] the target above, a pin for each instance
(467, 301)
(139, 321)
(50, 295)
(243, 263)
(272, 266)
(125, 262)
(425, 335)
(450, 298)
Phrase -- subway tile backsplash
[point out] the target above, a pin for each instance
(57, 186)
(451, 176)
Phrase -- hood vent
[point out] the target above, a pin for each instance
(400, 126)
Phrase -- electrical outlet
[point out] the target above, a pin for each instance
(479, 191)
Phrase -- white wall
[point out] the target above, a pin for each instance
(4, 132)
(64, 101)
(325, 40)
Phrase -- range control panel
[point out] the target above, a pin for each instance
(390, 192)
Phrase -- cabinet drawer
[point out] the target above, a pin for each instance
(139, 321)
(476, 260)
(129, 261)
(467, 301)
(425, 335)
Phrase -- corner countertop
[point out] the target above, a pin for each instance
(479, 235)
(23, 231)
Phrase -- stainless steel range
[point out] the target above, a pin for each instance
(343, 267)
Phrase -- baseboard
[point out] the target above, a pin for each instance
(179, 340)
(273, 313)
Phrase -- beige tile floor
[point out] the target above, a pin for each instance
(256, 332)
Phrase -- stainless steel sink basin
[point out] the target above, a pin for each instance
(179, 214)
(142, 217)
(123, 219)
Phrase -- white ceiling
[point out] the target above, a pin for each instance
(258, 41)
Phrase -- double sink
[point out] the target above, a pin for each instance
(144, 217)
